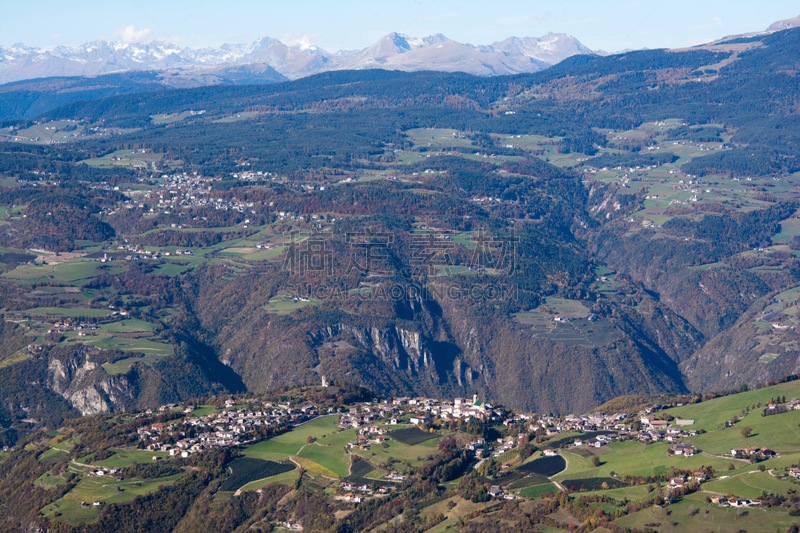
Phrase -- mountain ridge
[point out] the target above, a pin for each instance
(401, 52)
(785, 24)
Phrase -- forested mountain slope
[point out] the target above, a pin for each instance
(613, 225)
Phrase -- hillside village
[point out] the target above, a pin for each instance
(360, 453)
(236, 425)
(243, 422)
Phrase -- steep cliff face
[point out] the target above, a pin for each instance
(401, 348)
(384, 356)
(86, 385)
(76, 374)
(454, 353)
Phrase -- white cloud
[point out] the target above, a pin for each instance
(303, 42)
(56, 36)
(133, 35)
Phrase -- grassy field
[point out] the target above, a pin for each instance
(131, 325)
(244, 115)
(123, 365)
(27, 272)
(567, 308)
(16, 357)
(415, 455)
(712, 414)
(63, 311)
(750, 485)
(778, 432)
(125, 158)
(123, 458)
(203, 410)
(265, 254)
(315, 469)
(69, 273)
(536, 491)
(693, 515)
(53, 455)
(327, 455)
(133, 345)
(533, 318)
(170, 269)
(281, 306)
(634, 493)
(70, 512)
(168, 118)
(328, 452)
(90, 489)
(289, 444)
(636, 459)
(50, 131)
(48, 480)
(790, 228)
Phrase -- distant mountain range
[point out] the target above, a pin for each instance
(275, 61)
(35, 80)
(268, 60)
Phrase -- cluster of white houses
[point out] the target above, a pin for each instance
(430, 408)
(422, 411)
(222, 429)
(66, 325)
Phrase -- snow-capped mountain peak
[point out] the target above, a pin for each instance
(394, 51)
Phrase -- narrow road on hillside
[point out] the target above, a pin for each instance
(557, 484)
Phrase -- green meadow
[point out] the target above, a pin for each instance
(124, 458)
(635, 459)
(327, 453)
(278, 448)
(750, 485)
(536, 491)
(778, 432)
(90, 489)
(282, 306)
(67, 311)
(693, 515)
(711, 415)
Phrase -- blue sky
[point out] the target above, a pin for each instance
(351, 24)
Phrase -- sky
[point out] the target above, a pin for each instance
(354, 24)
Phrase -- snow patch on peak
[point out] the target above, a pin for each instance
(294, 59)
